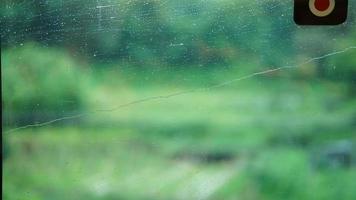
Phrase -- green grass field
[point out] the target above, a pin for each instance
(243, 141)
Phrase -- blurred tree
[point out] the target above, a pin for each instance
(169, 32)
(40, 84)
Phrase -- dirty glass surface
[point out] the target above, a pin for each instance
(175, 99)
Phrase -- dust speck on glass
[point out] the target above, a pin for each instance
(175, 99)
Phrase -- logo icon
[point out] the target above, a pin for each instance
(320, 12)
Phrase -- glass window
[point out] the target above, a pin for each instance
(176, 99)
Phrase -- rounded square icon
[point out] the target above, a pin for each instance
(320, 12)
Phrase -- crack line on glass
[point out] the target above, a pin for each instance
(160, 97)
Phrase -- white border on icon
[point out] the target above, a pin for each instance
(319, 13)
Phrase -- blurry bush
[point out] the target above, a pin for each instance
(286, 174)
(153, 31)
(343, 69)
(170, 32)
(39, 84)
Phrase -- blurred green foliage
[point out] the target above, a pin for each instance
(256, 139)
(168, 32)
(40, 83)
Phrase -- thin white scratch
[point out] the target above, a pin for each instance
(176, 45)
(108, 6)
(160, 97)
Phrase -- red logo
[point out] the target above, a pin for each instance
(320, 12)
(321, 8)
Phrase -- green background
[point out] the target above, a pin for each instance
(164, 99)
